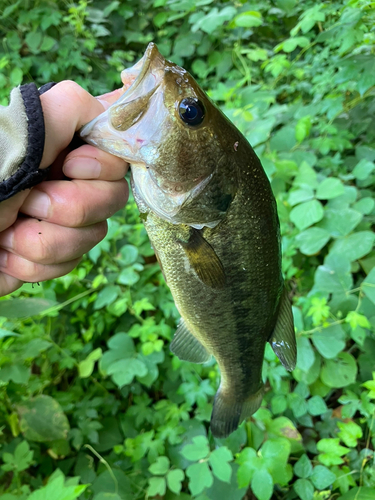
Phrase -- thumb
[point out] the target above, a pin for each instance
(66, 108)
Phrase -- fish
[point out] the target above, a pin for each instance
(211, 217)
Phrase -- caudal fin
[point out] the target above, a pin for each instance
(228, 413)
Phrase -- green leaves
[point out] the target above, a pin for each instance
(121, 361)
(329, 188)
(196, 451)
(262, 484)
(200, 473)
(354, 246)
(306, 214)
(303, 467)
(218, 460)
(303, 97)
(331, 451)
(200, 477)
(339, 372)
(42, 419)
(20, 460)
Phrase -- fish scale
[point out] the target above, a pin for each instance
(209, 211)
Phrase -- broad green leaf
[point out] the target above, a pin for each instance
(368, 286)
(57, 490)
(359, 493)
(363, 169)
(316, 406)
(340, 222)
(160, 467)
(129, 254)
(20, 460)
(304, 193)
(305, 354)
(214, 19)
(334, 276)
(128, 277)
(218, 460)
(312, 240)
(329, 341)
(123, 371)
(329, 188)
(355, 245)
(24, 308)
(106, 296)
(248, 19)
(339, 372)
(349, 433)
(303, 467)
(174, 480)
(249, 462)
(16, 372)
(262, 484)
(197, 450)
(322, 477)
(303, 126)
(304, 489)
(306, 214)
(331, 451)
(157, 486)
(200, 477)
(42, 419)
(365, 205)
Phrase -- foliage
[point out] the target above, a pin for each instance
(92, 403)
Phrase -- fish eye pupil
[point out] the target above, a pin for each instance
(191, 111)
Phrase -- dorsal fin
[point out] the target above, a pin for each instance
(283, 339)
(187, 347)
(204, 260)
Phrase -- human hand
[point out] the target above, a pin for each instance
(45, 231)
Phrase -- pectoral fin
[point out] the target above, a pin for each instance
(203, 259)
(187, 347)
(283, 339)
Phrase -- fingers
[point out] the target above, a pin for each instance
(111, 97)
(76, 203)
(8, 284)
(66, 108)
(25, 270)
(49, 243)
(9, 209)
(88, 162)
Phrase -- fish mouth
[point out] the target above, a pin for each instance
(140, 83)
(144, 75)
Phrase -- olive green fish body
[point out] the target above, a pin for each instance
(209, 211)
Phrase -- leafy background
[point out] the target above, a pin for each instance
(92, 403)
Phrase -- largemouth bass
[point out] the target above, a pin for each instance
(209, 211)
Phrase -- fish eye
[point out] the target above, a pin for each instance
(191, 111)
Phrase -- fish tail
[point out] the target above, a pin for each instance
(228, 413)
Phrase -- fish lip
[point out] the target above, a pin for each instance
(151, 54)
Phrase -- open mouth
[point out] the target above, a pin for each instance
(140, 82)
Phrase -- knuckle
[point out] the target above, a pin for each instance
(74, 90)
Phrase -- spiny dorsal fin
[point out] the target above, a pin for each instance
(187, 347)
(283, 339)
(203, 260)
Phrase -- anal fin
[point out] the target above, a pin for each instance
(283, 339)
(186, 347)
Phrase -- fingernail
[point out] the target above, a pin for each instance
(37, 204)
(6, 239)
(82, 168)
(3, 258)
